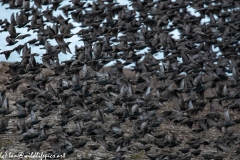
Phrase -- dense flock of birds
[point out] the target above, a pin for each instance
(127, 113)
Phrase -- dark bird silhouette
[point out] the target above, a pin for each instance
(62, 44)
(12, 31)
(3, 124)
(21, 111)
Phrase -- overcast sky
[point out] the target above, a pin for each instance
(6, 13)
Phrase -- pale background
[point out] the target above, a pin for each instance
(6, 13)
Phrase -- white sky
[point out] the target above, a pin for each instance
(6, 13)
